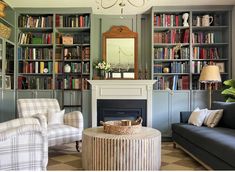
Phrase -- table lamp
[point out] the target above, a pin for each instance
(210, 74)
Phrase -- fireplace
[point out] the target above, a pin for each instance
(121, 90)
(121, 109)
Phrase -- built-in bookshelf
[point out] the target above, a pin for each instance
(43, 53)
(171, 65)
(183, 42)
(35, 51)
(210, 44)
(72, 61)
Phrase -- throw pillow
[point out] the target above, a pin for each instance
(55, 117)
(213, 117)
(197, 117)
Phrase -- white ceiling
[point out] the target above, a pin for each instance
(116, 9)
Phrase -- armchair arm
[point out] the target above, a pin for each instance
(42, 120)
(18, 122)
(74, 119)
(184, 116)
(24, 147)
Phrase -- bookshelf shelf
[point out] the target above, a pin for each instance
(161, 28)
(35, 45)
(209, 44)
(169, 44)
(210, 59)
(32, 60)
(36, 29)
(72, 29)
(169, 74)
(3, 20)
(170, 60)
(209, 28)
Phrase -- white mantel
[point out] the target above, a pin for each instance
(122, 89)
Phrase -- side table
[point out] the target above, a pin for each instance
(102, 151)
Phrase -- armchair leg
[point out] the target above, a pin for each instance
(77, 146)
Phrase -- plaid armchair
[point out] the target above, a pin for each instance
(23, 145)
(58, 134)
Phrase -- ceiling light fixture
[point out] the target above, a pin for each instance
(106, 4)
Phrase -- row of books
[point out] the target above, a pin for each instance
(35, 21)
(35, 67)
(206, 53)
(172, 36)
(196, 85)
(174, 67)
(27, 53)
(35, 82)
(172, 82)
(169, 53)
(166, 20)
(77, 53)
(78, 38)
(35, 38)
(198, 65)
(72, 21)
(71, 83)
(203, 37)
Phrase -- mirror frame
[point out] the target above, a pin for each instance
(122, 32)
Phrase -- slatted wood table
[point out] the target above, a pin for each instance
(102, 151)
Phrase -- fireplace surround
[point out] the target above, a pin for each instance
(121, 90)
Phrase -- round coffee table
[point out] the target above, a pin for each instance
(102, 151)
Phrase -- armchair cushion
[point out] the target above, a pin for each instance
(60, 134)
(55, 117)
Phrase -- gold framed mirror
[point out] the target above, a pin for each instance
(120, 50)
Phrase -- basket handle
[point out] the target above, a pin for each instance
(139, 120)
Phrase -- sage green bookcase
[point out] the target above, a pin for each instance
(205, 45)
(44, 55)
(7, 66)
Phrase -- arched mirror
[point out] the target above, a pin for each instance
(120, 50)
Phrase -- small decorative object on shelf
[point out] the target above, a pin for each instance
(185, 18)
(207, 20)
(123, 126)
(67, 68)
(103, 68)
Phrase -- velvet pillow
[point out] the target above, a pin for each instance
(213, 117)
(55, 117)
(197, 117)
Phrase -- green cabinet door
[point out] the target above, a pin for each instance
(8, 108)
(161, 113)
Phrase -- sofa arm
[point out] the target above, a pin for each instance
(74, 119)
(184, 116)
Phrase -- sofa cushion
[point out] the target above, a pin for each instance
(228, 118)
(61, 134)
(217, 141)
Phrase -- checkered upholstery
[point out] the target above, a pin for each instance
(57, 134)
(23, 145)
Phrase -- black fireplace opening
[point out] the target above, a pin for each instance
(115, 109)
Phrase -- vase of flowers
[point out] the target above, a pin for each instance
(103, 69)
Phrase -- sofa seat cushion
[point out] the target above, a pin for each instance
(218, 141)
(61, 134)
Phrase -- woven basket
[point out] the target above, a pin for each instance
(5, 32)
(116, 127)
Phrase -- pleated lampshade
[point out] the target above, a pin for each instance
(210, 74)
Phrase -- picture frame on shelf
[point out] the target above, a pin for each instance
(221, 66)
(7, 82)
